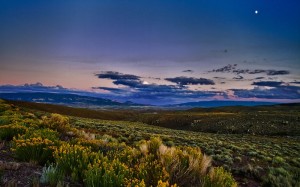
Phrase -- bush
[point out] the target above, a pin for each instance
(106, 173)
(37, 150)
(56, 122)
(42, 133)
(165, 184)
(51, 175)
(218, 177)
(101, 145)
(73, 160)
(150, 168)
(281, 177)
(187, 166)
(5, 120)
(8, 132)
(133, 182)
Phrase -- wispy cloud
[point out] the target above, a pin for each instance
(188, 71)
(232, 68)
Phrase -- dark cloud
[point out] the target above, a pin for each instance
(280, 92)
(137, 91)
(188, 71)
(247, 71)
(160, 94)
(117, 76)
(267, 83)
(258, 78)
(280, 72)
(228, 68)
(109, 89)
(232, 68)
(190, 81)
(219, 77)
(155, 78)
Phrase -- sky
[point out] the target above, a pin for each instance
(154, 52)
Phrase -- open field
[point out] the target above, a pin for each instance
(253, 160)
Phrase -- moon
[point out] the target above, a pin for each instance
(256, 11)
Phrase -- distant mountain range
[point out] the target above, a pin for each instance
(217, 103)
(66, 99)
(74, 100)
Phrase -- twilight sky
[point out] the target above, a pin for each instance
(152, 51)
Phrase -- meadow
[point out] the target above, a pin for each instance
(61, 150)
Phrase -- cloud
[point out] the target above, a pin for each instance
(117, 90)
(128, 82)
(190, 81)
(117, 76)
(160, 94)
(137, 90)
(258, 78)
(188, 71)
(232, 68)
(280, 72)
(228, 68)
(280, 92)
(219, 77)
(267, 83)
(39, 87)
(239, 77)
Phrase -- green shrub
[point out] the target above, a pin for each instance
(103, 146)
(187, 166)
(149, 167)
(278, 177)
(106, 173)
(218, 177)
(56, 122)
(36, 150)
(51, 175)
(5, 120)
(8, 132)
(151, 170)
(74, 160)
(43, 133)
(278, 160)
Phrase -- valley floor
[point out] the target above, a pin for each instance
(253, 160)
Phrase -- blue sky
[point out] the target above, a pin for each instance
(155, 51)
